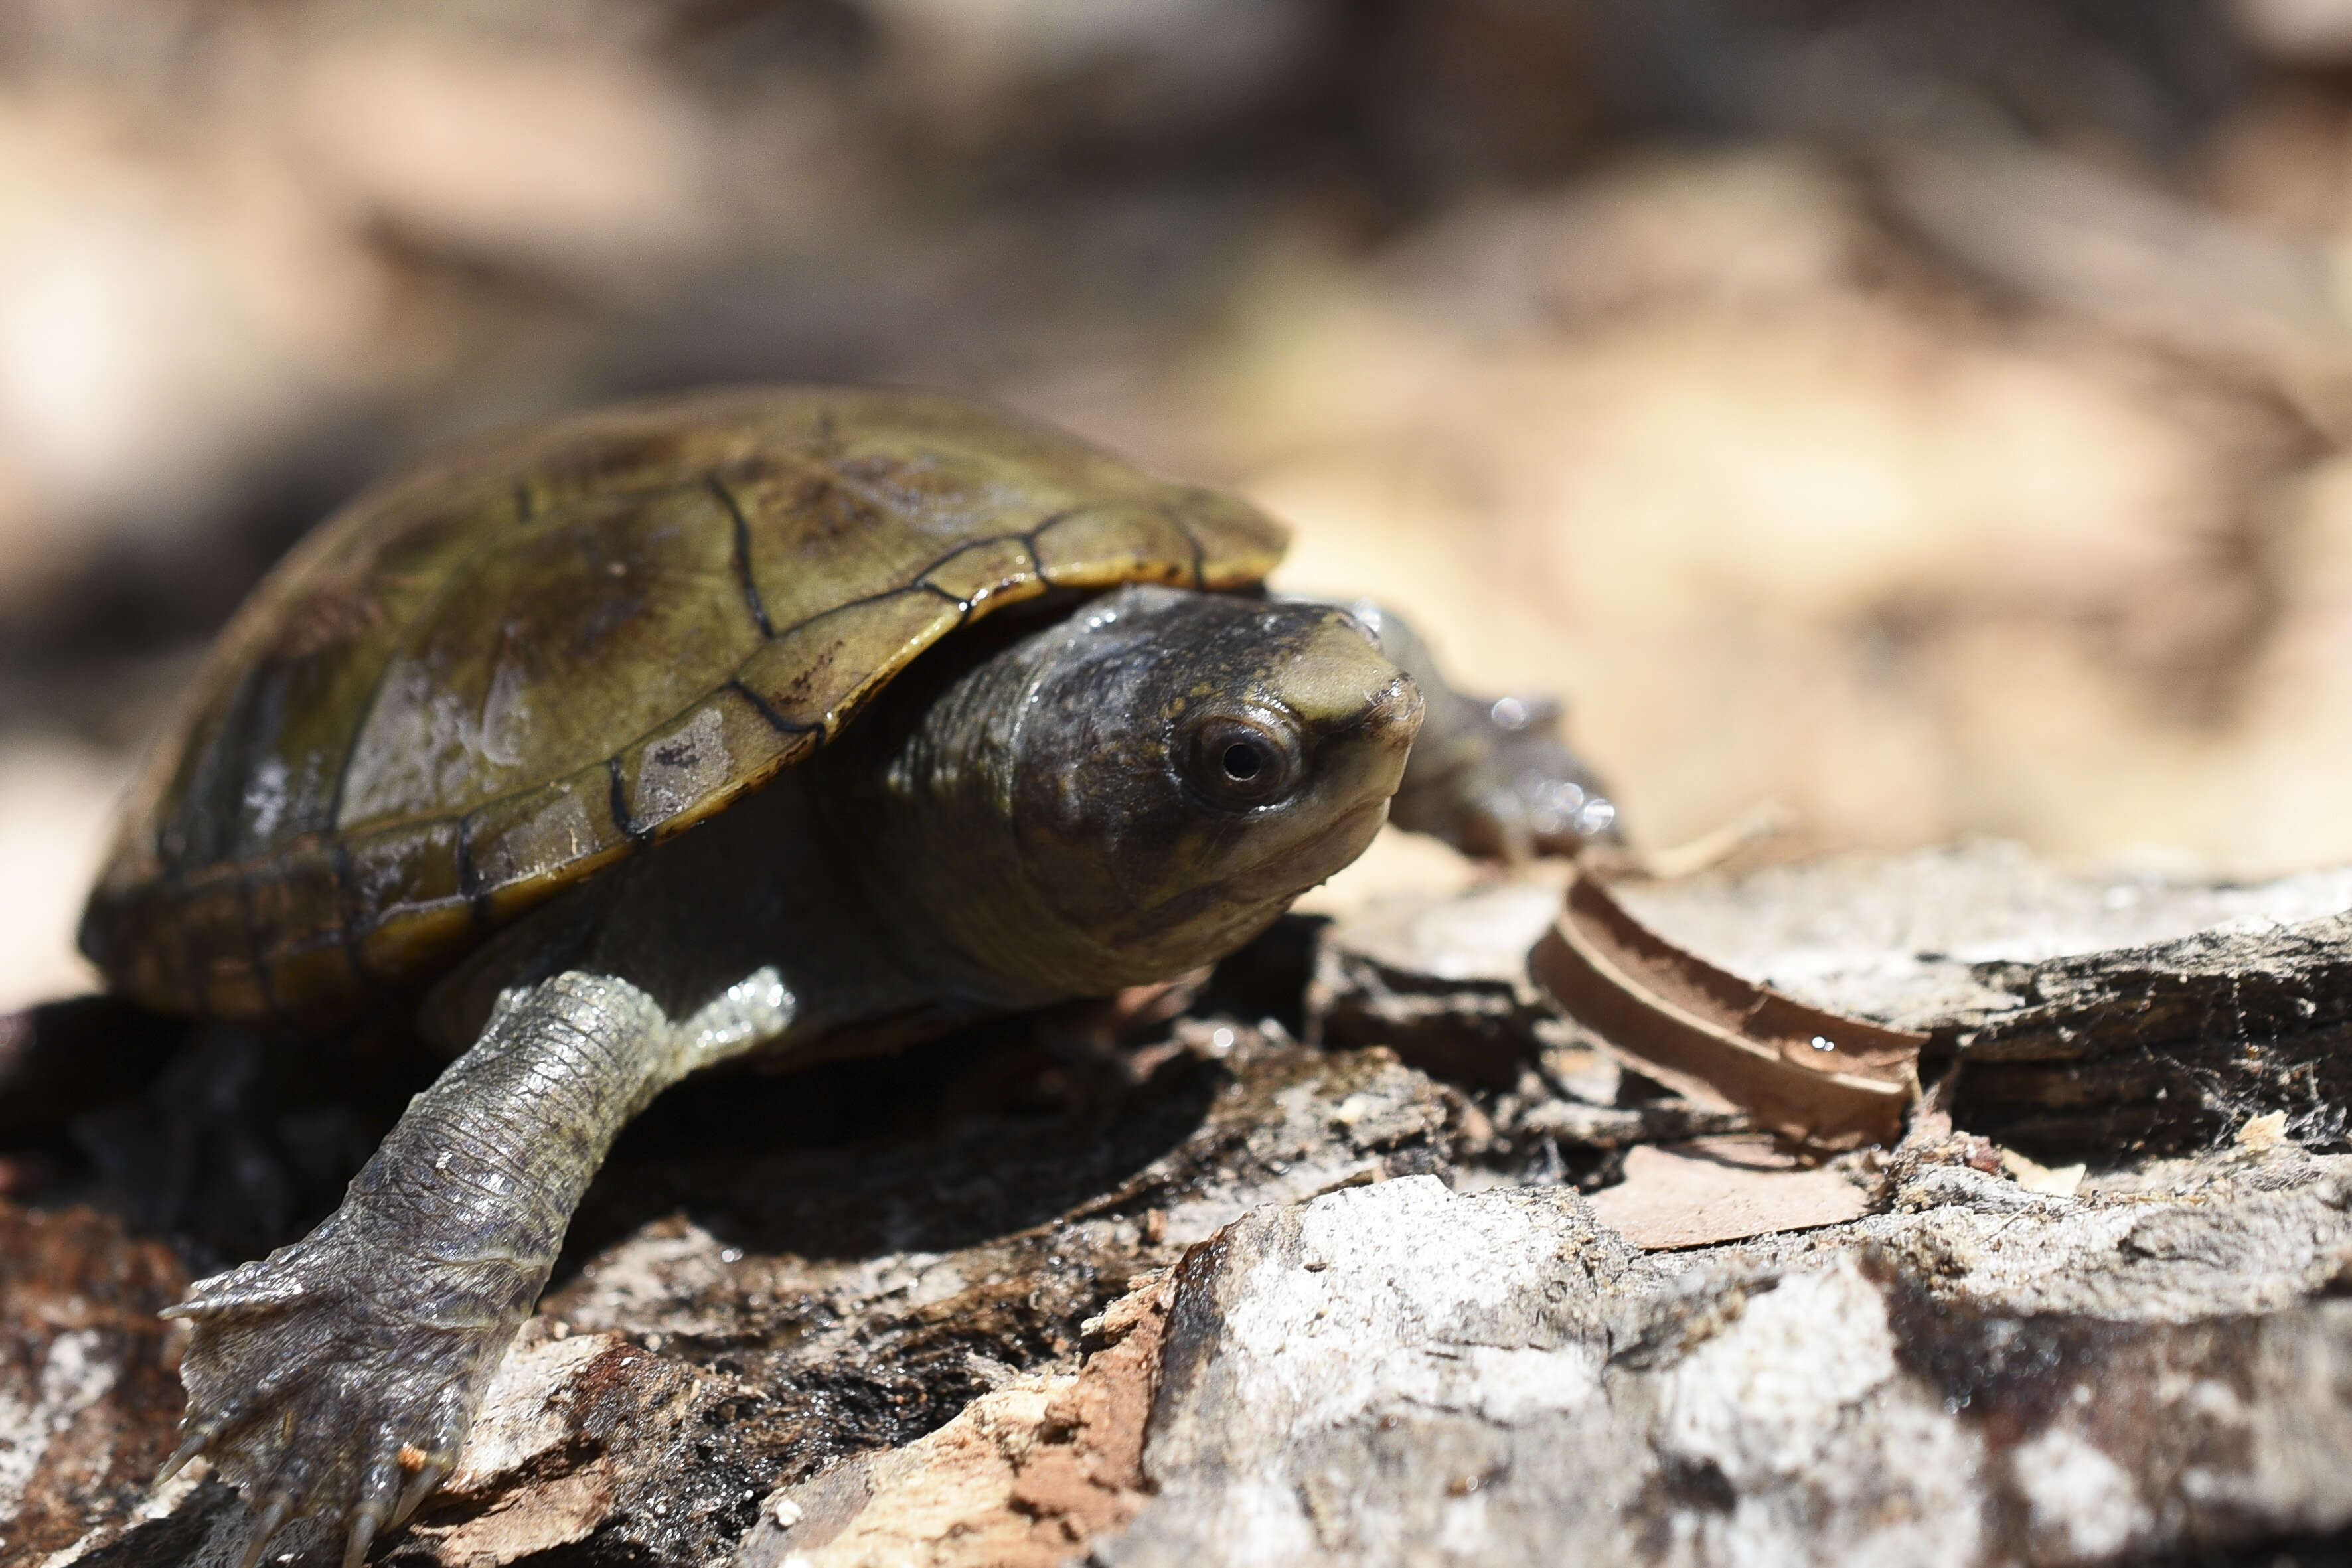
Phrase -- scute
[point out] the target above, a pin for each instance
(502, 671)
(601, 621)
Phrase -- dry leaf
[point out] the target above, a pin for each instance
(1819, 1078)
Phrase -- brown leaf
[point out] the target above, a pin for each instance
(1819, 1078)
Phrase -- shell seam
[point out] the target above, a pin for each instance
(725, 498)
(469, 876)
(618, 805)
(776, 720)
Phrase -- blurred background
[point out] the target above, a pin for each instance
(1926, 414)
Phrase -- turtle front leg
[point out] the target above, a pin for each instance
(338, 1375)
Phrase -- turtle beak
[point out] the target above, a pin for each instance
(1349, 697)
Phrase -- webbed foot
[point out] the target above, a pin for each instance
(337, 1378)
(1501, 785)
(1492, 776)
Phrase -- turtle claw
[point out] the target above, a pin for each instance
(264, 1527)
(238, 1293)
(190, 1447)
(427, 1481)
(362, 1537)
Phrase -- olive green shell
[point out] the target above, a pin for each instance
(508, 668)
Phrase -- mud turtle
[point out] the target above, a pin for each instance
(967, 715)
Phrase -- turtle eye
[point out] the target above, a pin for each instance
(1240, 763)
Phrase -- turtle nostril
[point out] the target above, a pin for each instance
(1397, 711)
(1242, 761)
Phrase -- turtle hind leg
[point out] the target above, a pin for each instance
(246, 1137)
(336, 1377)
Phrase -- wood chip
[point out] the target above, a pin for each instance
(2058, 1181)
(1721, 1189)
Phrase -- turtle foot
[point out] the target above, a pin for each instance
(322, 1390)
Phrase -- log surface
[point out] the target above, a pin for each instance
(1212, 1294)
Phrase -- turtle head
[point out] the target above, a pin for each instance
(1140, 788)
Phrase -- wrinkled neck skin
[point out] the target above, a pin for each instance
(1032, 824)
(924, 788)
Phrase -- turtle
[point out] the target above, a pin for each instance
(790, 722)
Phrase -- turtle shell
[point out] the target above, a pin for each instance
(506, 669)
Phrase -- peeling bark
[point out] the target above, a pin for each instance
(89, 1376)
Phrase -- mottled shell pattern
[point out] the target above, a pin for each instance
(502, 671)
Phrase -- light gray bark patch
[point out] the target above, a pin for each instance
(1402, 1374)
(1351, 1376)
